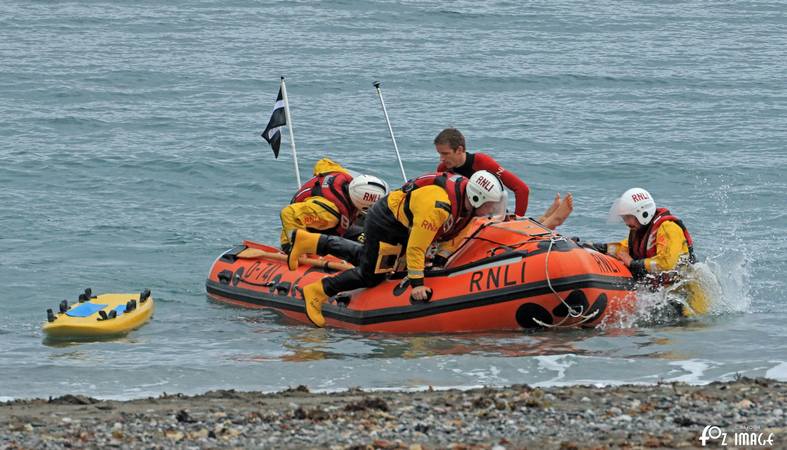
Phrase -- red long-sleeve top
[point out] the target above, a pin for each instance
(480, 161)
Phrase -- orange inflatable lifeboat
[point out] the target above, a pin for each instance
(505, 276)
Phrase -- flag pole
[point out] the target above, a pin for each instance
(289, 127)
(390, 130)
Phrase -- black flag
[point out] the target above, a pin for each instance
(272, 132)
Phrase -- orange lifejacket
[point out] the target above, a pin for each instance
(642, 243)
(454, 185)
(333, 186)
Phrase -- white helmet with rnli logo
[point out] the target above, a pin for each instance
(635, 202)
(365, 190)
(484, 187)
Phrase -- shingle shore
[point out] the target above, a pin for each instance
(657, 416)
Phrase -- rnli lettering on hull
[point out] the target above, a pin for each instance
(497, 277)
(604, 264)
(258, 273)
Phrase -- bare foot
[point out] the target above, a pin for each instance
(560, 214)
(551, 209)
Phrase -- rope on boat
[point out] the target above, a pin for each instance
(572, 313)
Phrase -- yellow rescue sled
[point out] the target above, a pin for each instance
(99, 316)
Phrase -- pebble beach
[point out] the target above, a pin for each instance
(665, 415)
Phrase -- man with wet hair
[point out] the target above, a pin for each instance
(450, 145)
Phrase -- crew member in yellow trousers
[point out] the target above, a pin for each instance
(658, 244)
(430, 208)
(330, 201)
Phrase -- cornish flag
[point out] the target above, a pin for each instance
(272, 132)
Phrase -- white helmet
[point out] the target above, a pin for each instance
(636, 202)
(484, 187)
(365, 190)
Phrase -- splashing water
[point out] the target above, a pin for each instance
(724, 286)
(726, 274)
(726, 280)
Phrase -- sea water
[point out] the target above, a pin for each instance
(130, 158)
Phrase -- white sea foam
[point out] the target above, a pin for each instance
(695, 369)
(556, 363)
(778, 372)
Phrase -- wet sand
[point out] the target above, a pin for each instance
(660, 416)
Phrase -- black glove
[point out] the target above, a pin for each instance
(354, 233)
(601, 248)
(637, 269)
(439, 261)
